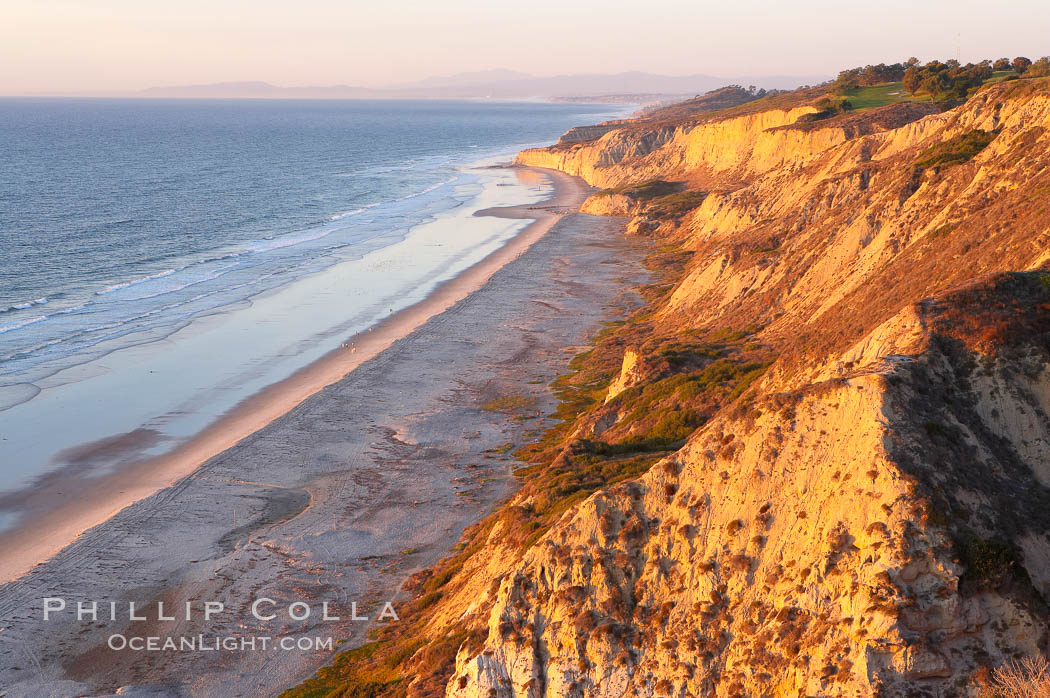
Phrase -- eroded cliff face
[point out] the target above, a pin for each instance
(748, 143)
(818, 462)
(800, 546)
(724, 150)
(860, 219)
(870, 519)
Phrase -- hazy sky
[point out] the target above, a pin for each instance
(61, 46)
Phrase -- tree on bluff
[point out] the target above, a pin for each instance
(1039, 69)
(948, 79)
(869, 75)
(1021, 64)
(912, 80)
(1001, 64)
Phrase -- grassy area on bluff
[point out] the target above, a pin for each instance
(956, 150)
(887, 93)
(658, 198)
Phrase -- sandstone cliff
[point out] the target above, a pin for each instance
(830, 542)
(817, 463)
(872, 522)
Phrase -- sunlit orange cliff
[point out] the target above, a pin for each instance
(816, 460)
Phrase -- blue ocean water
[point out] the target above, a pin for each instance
(124, 219)
(162, 262)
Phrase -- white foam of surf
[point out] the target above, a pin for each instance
(215, 274)
(21, 323)
(24, 305)
(429, 189)
(346, 214)
(125, 284)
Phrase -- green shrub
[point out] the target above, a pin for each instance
(989, 563)
(868, 75)
(943, 231)
(946, 80)
(934, 429)
(956, 150)
(674, 205)
(1039, 69)
(646, 190)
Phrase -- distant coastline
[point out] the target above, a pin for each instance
(619, 88)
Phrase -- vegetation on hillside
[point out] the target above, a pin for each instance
(879, 85)
(948, 80)
(853, 78)
(872, 96)
(651, 189)
(1000, 314)
(1025, 678)
(955, 150)
(1039, 69)
(689, 375)
(827, 108)
(692, 375)
(713, 101)
(659, 199)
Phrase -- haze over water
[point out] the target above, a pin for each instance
(162, 260)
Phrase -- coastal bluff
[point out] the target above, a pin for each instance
(816, 462)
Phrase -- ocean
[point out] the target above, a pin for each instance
(162, 260)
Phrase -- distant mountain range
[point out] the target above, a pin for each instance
(493, 84)
(259, 90)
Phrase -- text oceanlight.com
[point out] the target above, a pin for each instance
(200, 643)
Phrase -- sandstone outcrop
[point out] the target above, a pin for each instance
(817, 462)
(799, 549)
(872, 521)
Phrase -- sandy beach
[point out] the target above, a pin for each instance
(333, 485)
(56, 521)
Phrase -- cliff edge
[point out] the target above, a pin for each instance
(817, 461)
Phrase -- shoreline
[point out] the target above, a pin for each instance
(54, 528)
(341, 499)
